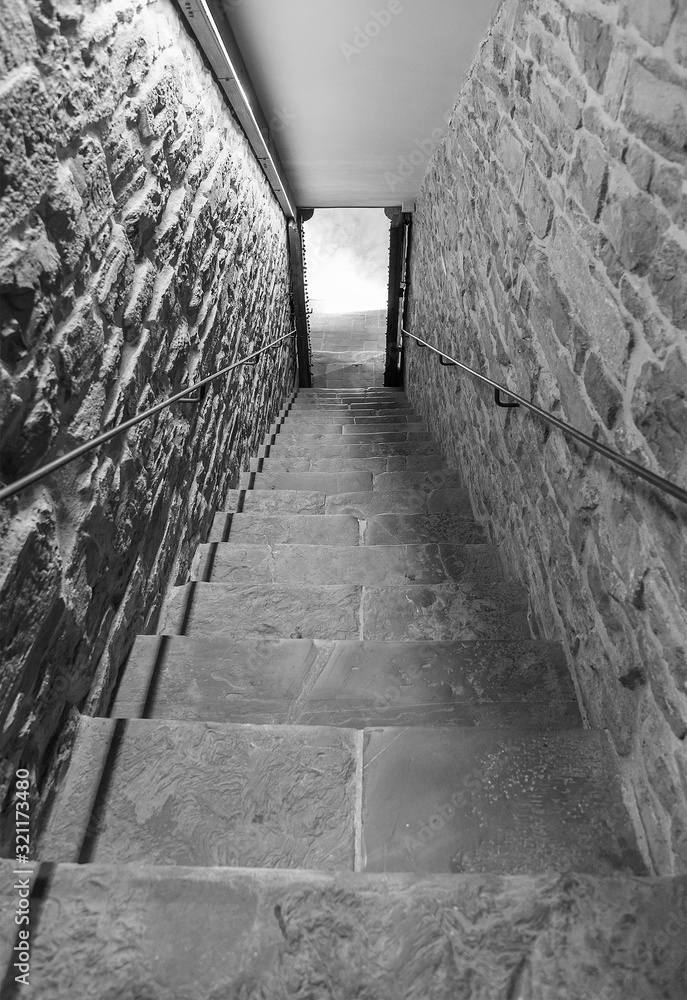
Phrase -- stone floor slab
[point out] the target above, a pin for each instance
(275, 501)
(205, 793)
(348, 683)
(180, 933)
(427, 482)
(263, 611)
(289, 529)
(309, 482)
(466, 610)
(380, 437)
(302, 418)
(380, 565)
(478, 800)
(347, 463)
(371, 449)
(389, 529)
(365, 505)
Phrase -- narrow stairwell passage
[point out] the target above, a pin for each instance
(344, 768)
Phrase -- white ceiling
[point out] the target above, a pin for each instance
(354, 126)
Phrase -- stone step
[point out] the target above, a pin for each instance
(277, 501)
(388, 392)
(356, 684)
(360, 504)
(361, 427)
(288, 529)
(366, 566)
(356, 409)
(502, 801)
(471, 609)
(298, 418)
(310, 482)
(177, 932)
(166, 792)
(378, 437)
(375, 465)
(345, 529)
(365, 505)
(442, 799)
(336, 448)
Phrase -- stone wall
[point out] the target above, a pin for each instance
(550, 251)
(140, 248)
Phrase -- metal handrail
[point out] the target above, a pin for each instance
(651, 477)
(53, 466)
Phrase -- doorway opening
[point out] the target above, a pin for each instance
(347, 259)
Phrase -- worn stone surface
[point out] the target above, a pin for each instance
(371, 566)
(402, 529)
(372, 449)
(349, 463)
(353, 683)
(276, 501)
(404, 501)
(293, 529)
(141, 247)
(179, 932)
(264, 611)
(255, 796)
(477, 800)
(309, 482)
(471, 609)
(551, 229)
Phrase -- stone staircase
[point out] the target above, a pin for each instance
(344, 768)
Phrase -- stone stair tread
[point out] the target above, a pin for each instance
(372, 449)
(295, 529)
(431, 479)
(310, 482)
(502, 801)
(206, 793)
(346, 463)
(360, 428)
(471, 609)
(356, 436)
(346, 529)
(465, 610)
(370, 409)
(370, 566)
(400, 501)
(276, 501)
(298, 681)
(303, 418)
(404, 529)
(266, 610)
(214, 932)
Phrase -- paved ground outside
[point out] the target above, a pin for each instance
(348, 348)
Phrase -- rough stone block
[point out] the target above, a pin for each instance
(27, 141)
(592, 42)
(668, 281)
(588, 175)
(656, 111)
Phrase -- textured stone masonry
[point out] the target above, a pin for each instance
(550, 252)
(140, 248)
